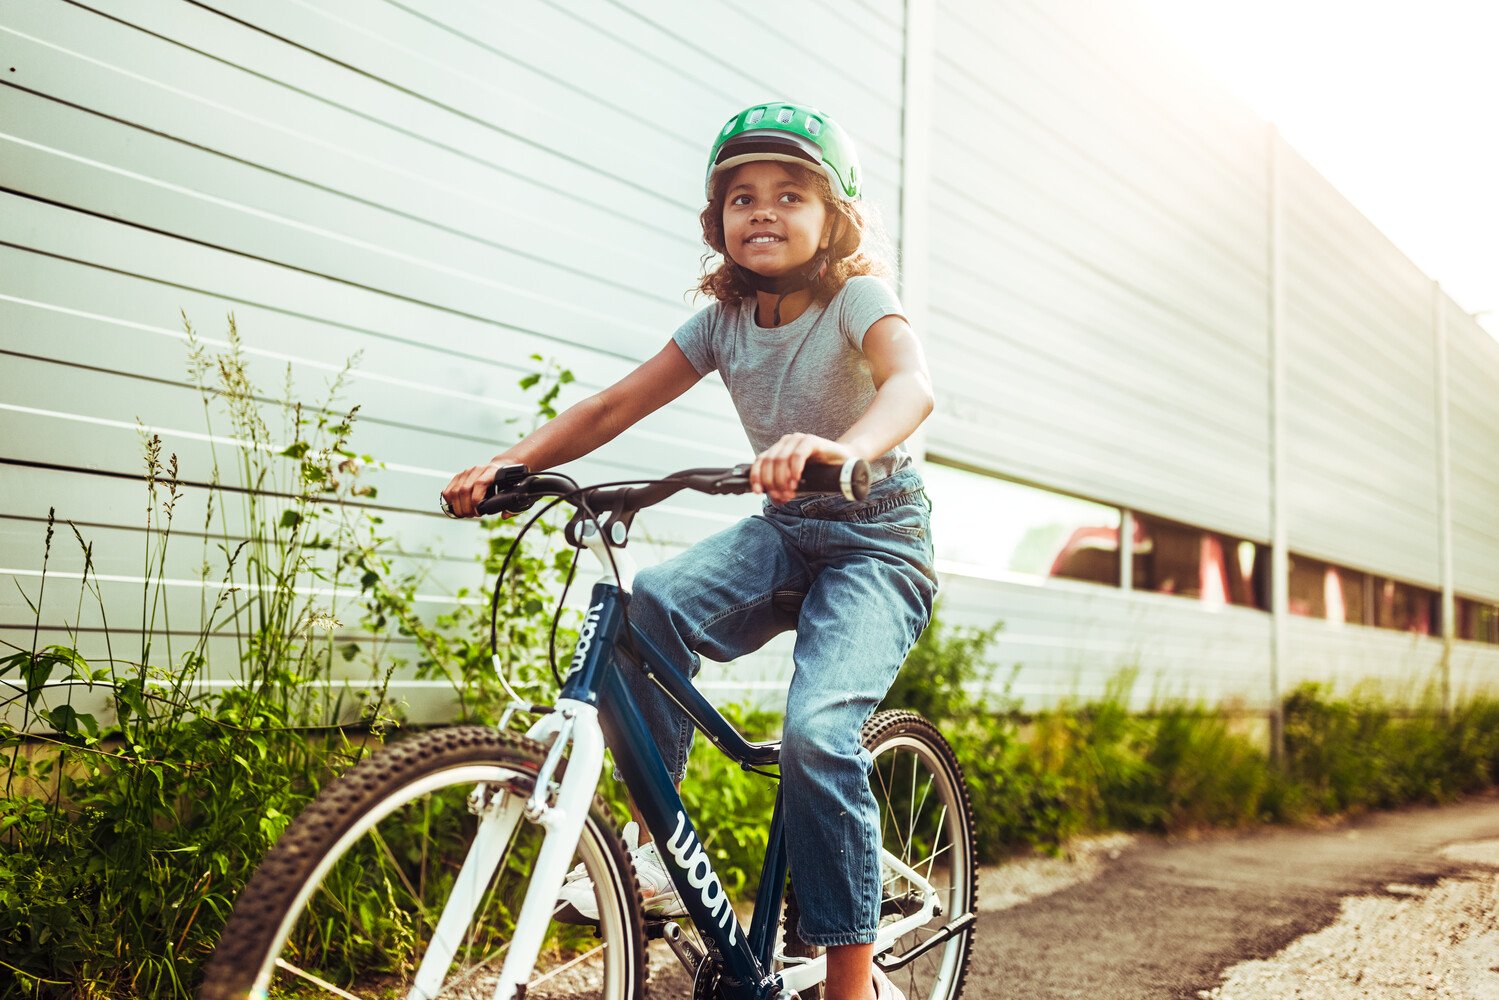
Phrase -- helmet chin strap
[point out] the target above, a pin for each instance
(784, 285)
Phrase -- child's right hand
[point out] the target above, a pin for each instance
(467, 488)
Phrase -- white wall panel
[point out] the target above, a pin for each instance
(1071, 640)
(1473, 401)
(1474, 670)
(1361, 419)
(1099, 274)
(444, 188)
(1396, 664)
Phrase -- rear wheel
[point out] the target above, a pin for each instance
(347, 902)
(926, 822)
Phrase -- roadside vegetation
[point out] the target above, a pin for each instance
(137, 797)
(1039, 778)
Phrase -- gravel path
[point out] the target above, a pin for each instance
(1394, 905)
(1439, 941)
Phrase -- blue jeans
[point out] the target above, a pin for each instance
(862, 573)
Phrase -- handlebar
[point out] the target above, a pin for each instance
(516, 488)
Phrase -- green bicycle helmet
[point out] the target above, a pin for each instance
(791, 133)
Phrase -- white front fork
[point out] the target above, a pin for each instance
(496, 827)
(572, 725)
(563, 822)
(573, 728)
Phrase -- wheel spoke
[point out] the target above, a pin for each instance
(911, 821)
(921, 806)
(284, 965)
(936, 851)
(925, 825)
(889, 811)
(886, 813)
(481, 965)
(356, 883)
(566, 965)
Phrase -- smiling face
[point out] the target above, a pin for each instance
(773, 220)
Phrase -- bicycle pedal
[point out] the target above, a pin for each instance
(570, 914)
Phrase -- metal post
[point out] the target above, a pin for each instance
(1444, 490)
(1280, 557)
(915, 182)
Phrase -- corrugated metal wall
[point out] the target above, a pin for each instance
(444, 187)
(1361, 363)
(1100, 288)
(448, 188)
(1473, 408)
(1099, 267)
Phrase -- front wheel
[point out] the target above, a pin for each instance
(926, 823)
(348, 901)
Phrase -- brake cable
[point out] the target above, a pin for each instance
(494, 600)
(581, 493)
(494, 604)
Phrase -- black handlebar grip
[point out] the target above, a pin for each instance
(850, 479)
(500, 496)
(500, 503)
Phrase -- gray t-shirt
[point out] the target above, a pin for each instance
(809, 376)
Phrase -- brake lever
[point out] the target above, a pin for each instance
(497, 499)
(508, 475)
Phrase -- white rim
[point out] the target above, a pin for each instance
(961, 888)
(593, 859)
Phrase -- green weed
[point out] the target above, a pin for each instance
(125, 834)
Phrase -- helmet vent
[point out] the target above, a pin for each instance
(785, 115)
(754, 116)
(730, 126)
(813, 126)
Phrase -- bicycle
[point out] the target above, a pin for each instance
(435, 860)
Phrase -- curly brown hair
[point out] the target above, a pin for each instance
(859, 244)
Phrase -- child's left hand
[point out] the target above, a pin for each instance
(778, 469)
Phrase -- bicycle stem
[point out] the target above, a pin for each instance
(623, 560)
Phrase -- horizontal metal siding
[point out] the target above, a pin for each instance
(1474, 669)
(1362, 464)
(444, 188)
(1099, 295)
(1473, 409)
(1071, 641)
(1398, 665)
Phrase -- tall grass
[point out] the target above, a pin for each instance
(123, 834)
(126, 832)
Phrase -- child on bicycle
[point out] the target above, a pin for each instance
(821, 366)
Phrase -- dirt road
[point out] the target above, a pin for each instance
(1169, 919)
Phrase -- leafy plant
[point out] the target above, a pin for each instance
(947, 673)
(125, 833)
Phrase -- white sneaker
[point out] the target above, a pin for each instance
(659, 897)
(884, 989)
